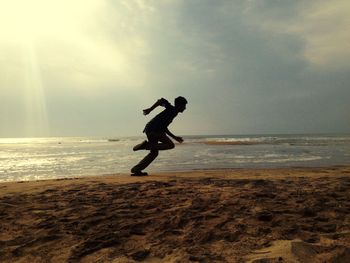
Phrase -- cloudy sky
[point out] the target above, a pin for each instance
(89, 67)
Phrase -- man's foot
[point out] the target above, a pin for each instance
(139, 173)
(141, 146)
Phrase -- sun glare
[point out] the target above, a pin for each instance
(26, 24)
(23, 20)
(56, 27)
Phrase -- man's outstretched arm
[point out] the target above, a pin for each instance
(177, 138)
(160, 102)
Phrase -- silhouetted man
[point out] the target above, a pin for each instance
(157, 131)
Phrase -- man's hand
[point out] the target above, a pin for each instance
(147, 111)
(178, 139)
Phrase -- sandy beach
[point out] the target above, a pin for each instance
(240, 215)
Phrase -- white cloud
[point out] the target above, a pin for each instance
(325, 28)
(322, 25)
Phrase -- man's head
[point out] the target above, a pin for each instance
(180, 104)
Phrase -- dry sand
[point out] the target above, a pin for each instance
(250, 215)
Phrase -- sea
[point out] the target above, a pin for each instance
(26, 159)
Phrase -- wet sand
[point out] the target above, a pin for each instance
(241, 215)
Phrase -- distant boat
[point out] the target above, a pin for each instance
(113, 140)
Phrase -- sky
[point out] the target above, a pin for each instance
(89, 67)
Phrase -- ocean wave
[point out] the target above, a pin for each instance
(227, 142)
(80, 156)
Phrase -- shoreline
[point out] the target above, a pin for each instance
(163, 173)
(221, 215)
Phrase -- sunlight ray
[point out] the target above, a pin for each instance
(36, 113)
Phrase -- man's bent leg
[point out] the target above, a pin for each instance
(154, 147)
(166, 142)
(152, 140)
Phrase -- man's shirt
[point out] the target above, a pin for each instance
(161, 121)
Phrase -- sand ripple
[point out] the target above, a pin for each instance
(181, 220)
